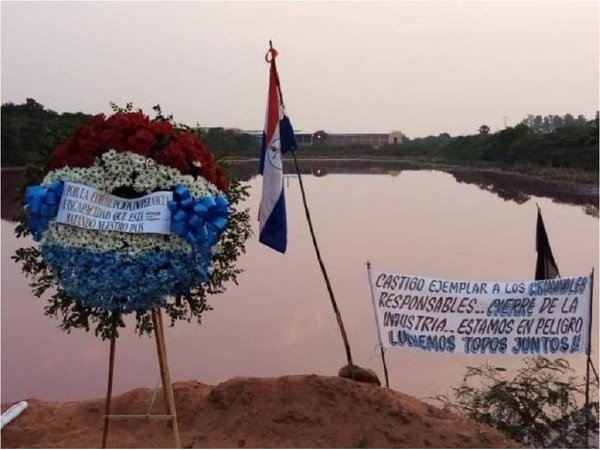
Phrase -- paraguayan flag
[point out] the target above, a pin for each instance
(278, 136)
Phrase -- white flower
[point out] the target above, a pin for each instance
(104, 241)
(116, 170)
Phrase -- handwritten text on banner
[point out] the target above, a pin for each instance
(87, 207)
(547, 317)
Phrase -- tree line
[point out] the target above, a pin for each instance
(30, 132)
(546, 141)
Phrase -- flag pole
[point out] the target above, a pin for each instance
(589, 358)
(589, 341)
(336, 310)
(385, 371)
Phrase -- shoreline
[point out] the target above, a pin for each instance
(569, 188)
(554, 174)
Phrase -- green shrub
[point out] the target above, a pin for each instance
(540, 406)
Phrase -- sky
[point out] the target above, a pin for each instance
(420, 67)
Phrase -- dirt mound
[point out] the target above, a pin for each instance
(302, 411)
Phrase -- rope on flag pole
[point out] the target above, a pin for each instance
(385, 370)
(589, 349)
(595, 372)
(270, 58)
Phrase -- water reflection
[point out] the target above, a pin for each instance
(507, 186)
(519, 188)
(491, 182)
(11, 202)
(279, 320)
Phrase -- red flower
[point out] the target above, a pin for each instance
(161, 128)
(141, 142)
(135, 132)
(59, 158)
(80, 160)
(98, 120)
(110, 138)
(88, 147)
(173, 156)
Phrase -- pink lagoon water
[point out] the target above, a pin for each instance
(279, 319)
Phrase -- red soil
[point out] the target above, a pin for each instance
(302, 411)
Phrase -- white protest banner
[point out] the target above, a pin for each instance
(545, 317)
(87, 207)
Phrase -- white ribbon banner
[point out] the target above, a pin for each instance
(545, 317)
(87, 207)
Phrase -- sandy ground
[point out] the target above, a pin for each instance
(301, 411)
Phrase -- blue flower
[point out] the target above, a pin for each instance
(128, 282)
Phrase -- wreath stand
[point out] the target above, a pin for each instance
(167, 387)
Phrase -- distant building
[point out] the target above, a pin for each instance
(322, 137)
(368, 139)
(396, 137)
(304, 139)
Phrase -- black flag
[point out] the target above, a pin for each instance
(546, 267)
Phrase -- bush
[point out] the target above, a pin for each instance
(539, 406)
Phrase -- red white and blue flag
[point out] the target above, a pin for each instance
(278, 137)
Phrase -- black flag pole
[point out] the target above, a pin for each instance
(546, 268)
(336, 310)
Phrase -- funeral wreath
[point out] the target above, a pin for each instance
(132, 214)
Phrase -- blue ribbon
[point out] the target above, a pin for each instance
(41, 206)
(199, 222)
